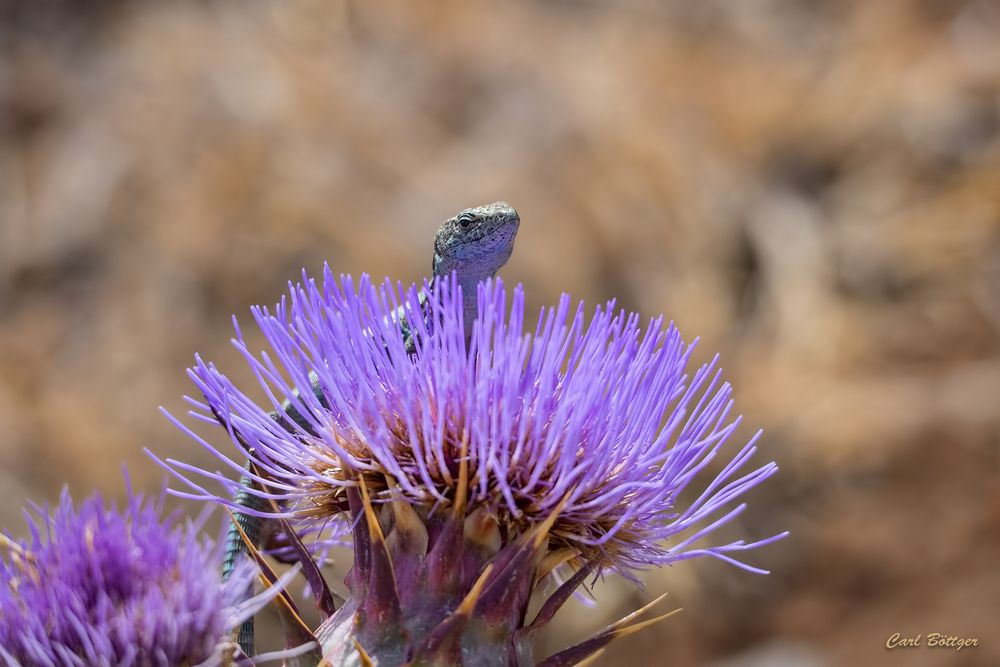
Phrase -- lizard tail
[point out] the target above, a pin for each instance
(253, 526)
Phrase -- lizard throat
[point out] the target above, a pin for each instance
(468, 277)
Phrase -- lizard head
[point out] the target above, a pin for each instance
(477, 241)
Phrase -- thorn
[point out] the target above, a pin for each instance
(358, 576)
(296, 630)
(635, 614)
(366, 660)
(592, 659)
(470, 599)
(267, 574)
(575, 654)
(632, 629)
(374, 528)
(555, 601)
(542, 531)
(322, 595)
(382, 601)
(407, 541)
(510, 583)
(553, 560)
(462, 491)
(443, 575)
(409, 531)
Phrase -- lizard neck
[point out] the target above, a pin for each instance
(469, 275)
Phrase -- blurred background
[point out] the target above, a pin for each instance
(813, 188)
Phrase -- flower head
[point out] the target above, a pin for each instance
(577, 438)
(98, 586)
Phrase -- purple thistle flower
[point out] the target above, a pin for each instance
(95, 586)
(580, 436)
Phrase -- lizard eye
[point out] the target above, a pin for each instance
(465, 219)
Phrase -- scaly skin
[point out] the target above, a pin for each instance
(474, 244)
(257, 530)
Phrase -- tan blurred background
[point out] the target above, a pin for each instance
(811, 187)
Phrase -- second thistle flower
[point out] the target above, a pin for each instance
(95, 585)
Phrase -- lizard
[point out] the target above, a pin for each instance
(474, 244)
